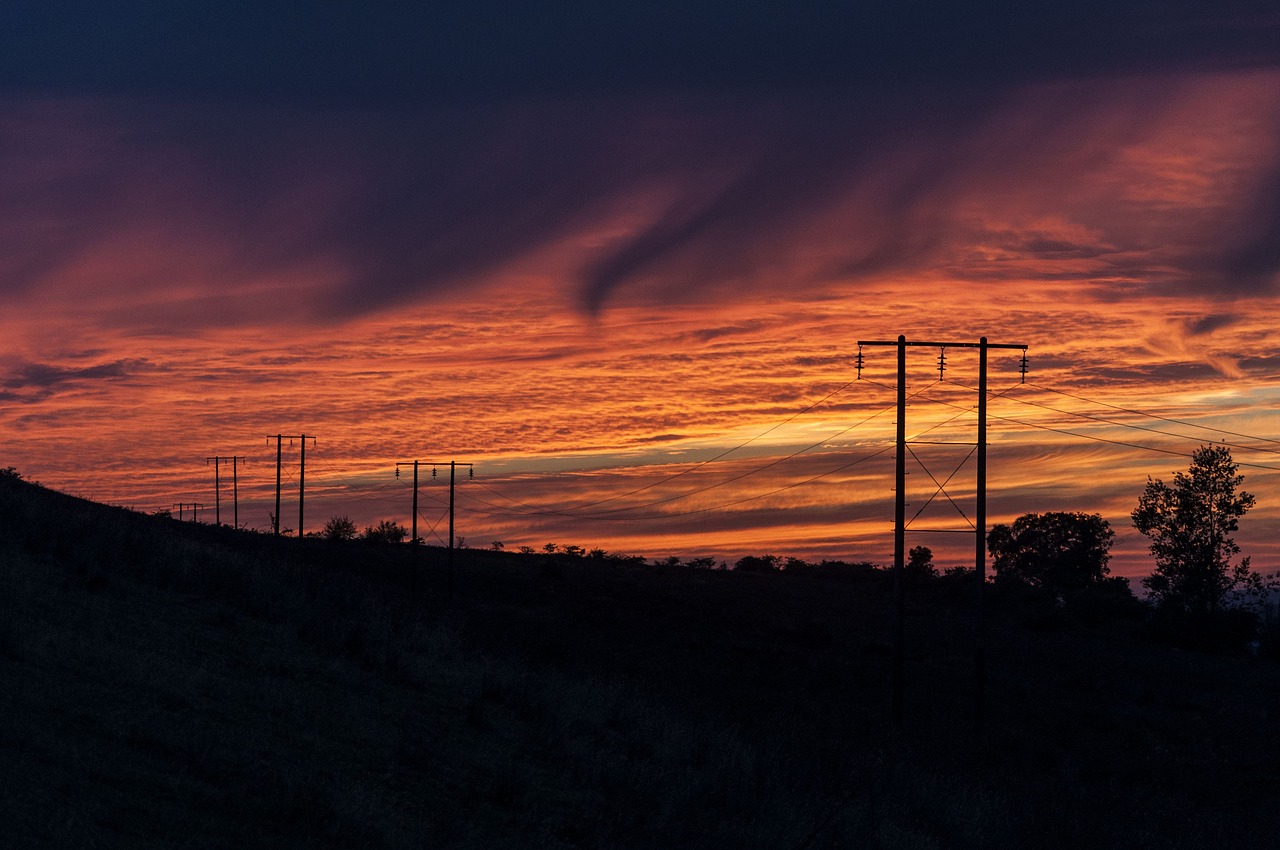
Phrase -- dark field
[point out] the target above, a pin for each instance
(173, 685)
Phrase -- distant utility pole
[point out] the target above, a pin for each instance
(217, 488)
(980, 523)
(453, 468)
(302, 476)
(195, 506)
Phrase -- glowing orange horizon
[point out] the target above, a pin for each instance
(155, 344)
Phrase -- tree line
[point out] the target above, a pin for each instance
(1198, 592)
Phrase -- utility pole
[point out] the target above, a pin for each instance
(195, 506)
(217, 487)
(899, 515)
(453, 469)
(413, 521)
(302, 475)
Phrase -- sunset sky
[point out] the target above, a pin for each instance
(619, 260)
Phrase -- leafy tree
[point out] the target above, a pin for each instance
(339, 528)
(1190, 526)
(920, 562)
(386, 531)
(1058, 551)
(753, 564)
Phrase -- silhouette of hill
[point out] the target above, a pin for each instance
(170, 684)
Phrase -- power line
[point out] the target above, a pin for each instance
(1119, 424)
(671, 514)
(722, 454)
(1156, 416)
(534, 510)
(697, 491)
(1113, 442)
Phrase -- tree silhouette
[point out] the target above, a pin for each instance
(386, 531)
(754, 564)
(1058, 551)
(920, 562)
(339, 528)
(1190, 526)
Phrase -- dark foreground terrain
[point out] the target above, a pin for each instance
(173, 685)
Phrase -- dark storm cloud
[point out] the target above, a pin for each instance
(372, 154)
(1254, 262)
(47, 375)
(30, 382)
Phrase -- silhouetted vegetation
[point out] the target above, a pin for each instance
(1058, 552)
(1190, 526)
(386, 531)
(178, 684)
(754, 564)
(919, 563)
(339, 528)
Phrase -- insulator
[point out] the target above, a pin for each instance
(471, 472)
(1022, 367)
(859, 362)
(942, 363)
(397, 472)
(433, 472)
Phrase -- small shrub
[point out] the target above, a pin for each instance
(386, 531)
(339, 528)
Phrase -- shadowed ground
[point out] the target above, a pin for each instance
(174, 685)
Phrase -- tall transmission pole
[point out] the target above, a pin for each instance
(899, 515)
(453, 469)
(217, 487)
(302, 476)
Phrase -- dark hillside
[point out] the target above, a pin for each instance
(172, 685)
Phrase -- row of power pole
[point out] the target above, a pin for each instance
(235, 461)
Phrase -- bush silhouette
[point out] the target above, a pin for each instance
(386, 531)
(339, 528)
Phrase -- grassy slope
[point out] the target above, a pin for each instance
(170, 685)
